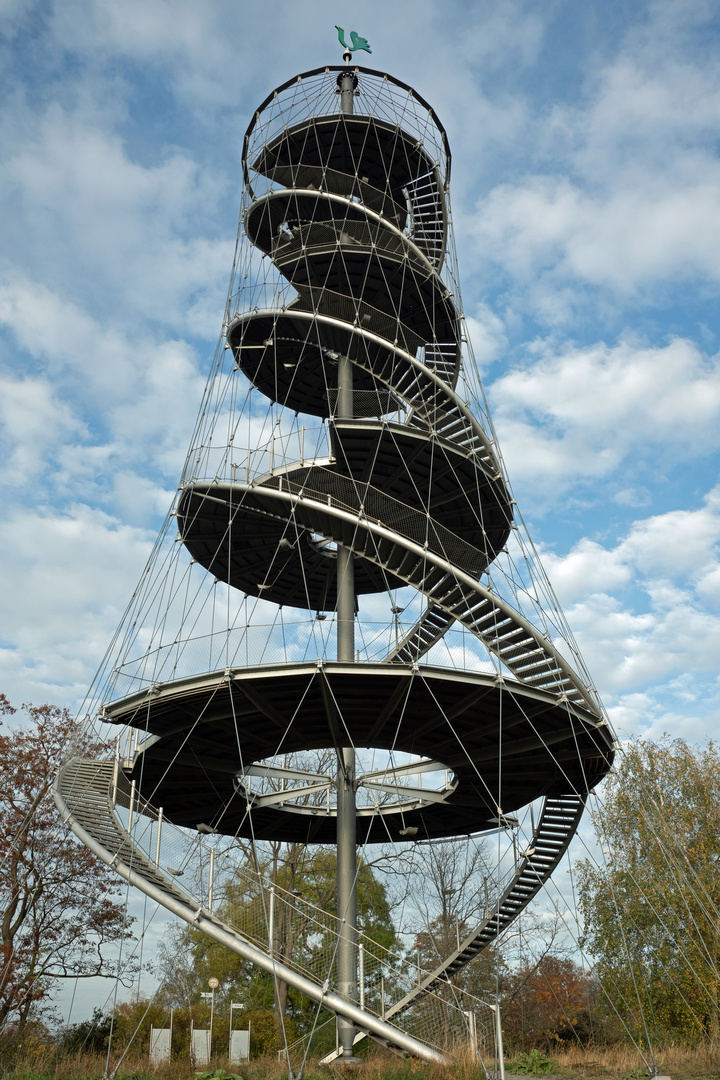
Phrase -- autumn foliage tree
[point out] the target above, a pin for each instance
(652, 912)
(548, 1004)
(58, 907)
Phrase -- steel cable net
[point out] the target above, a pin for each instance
(214, 876)
(343, 425)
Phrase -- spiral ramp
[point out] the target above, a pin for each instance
(346, 310)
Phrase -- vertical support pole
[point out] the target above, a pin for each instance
(472, 1031)
(159, 834)
(345, 777)
(211, 876)
(499, 1042)
(346, 88)
(345, 566)
(212, 1016)
(346, 892)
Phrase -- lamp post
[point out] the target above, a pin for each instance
(213, 984)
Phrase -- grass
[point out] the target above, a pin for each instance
(576, 1063)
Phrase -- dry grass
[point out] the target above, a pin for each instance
(674, 1059)
(611, 1063)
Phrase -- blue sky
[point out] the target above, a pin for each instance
(586, 191)
(586, 199)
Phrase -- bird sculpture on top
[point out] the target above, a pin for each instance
(357, 41)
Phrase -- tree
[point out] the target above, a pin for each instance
(547, 1004)
(303, 937)
(89, 1035)
(58, 906)
(652, 913)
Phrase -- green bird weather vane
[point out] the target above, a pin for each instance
(357, 41)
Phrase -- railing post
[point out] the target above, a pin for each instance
(210, 882)
(472, 1031)
(132, 804)
(361, 957)
(116, 770)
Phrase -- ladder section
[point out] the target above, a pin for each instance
(521, 650)
(430, 628)
(428, 225)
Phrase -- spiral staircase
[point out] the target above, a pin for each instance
(347, 218)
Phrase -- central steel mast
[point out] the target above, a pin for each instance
(345, 777)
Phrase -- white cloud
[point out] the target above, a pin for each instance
(680, 548)
(672, 562)
(587, 568)
(84, 215)
(686, 707)
(65, 580)
(651, 230)
(33, 426)
(136, 396)
(633, 496)
(487, 335)
(627, 651)
(622, 191)
(13, 13)
(579, 413)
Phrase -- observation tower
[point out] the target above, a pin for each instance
(344, 635)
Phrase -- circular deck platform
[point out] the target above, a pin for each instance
(203, 731)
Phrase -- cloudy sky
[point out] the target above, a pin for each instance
(586, 198)
(587, 205)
